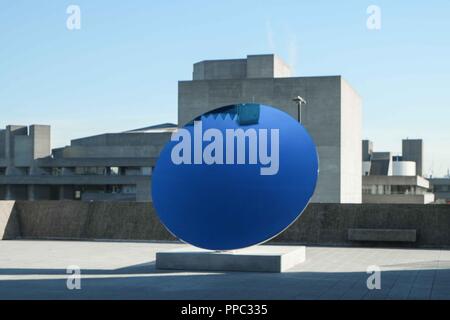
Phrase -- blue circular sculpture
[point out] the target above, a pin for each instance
(235, 177)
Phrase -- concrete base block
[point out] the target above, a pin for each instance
(254, 259)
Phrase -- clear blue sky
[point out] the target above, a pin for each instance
(120, 71)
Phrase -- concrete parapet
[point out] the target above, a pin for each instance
(320, 224)
(78, 220)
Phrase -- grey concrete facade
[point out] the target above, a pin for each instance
(115, 166)
(332, 115)
(412, 150)
(253, 67)
(381, 164)
(395, 179)
(396, 189)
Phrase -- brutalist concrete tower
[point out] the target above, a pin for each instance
(332, 114)
(412, 150)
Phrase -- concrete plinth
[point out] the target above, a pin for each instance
(254, 259)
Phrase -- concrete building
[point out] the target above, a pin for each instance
(412, 150)
(396, 189)
(332, 115)
(113, 166)
(395, 179)
(118, 166)
(441, 189)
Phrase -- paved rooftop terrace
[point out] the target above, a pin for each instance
(123, 270)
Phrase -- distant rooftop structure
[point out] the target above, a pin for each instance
(389, 178)
(409, 163)
(253, 67)
(163, 127)
(441, 189)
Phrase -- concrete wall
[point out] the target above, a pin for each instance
(19, 192)
(20, 148)
(23, 151)
(41, 141)
(122, 139)
(396, 181)
(11, 133)
(144, 190)
(254, 67)
(9, 223)
(399, 198)
(2, 143)
(112, 151)
(220, 69)
(328, 224)
(124, 145)
(81, 220)
(266, 66)
(320, 224)
(366, 168)
(381, 164)
(351, 148)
